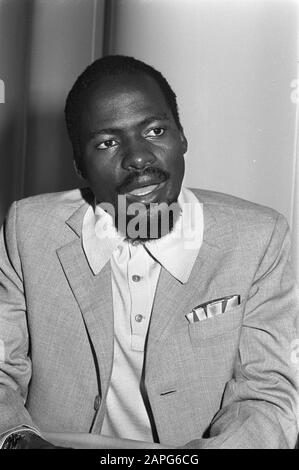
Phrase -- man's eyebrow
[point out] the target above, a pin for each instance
(108, 130)
(157, 117)
(144, 122)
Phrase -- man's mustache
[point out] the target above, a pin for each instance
(155, 174)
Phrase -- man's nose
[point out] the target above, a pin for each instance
(137, 155)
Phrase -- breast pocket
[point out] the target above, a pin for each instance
(217, 325)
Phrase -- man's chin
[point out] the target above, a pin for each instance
(151, 223)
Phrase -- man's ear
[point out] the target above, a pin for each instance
(77, 169)
(184, 141)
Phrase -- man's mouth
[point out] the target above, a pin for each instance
(144, 190)
(143, 185)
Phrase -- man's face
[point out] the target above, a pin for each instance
(130, 143)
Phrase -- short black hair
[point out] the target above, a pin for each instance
(112, 65)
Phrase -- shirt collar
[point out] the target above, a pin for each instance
(99, 237)
(176, 251)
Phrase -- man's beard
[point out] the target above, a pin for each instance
(143, 221)
(151, 223)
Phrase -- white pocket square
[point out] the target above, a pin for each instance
(213, 307)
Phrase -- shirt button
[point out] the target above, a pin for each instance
(136, 278)
(138, 318)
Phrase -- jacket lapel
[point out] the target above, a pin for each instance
(94, 296)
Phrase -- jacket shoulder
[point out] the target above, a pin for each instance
(243, 219)
(52, 205)
(44, 216)
(72, 196)
(219, 203)
(244, 226)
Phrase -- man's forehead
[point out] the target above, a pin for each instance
(126, 101)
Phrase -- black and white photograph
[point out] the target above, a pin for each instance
(149, 214)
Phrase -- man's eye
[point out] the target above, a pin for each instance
(107, 144)
(156, 132)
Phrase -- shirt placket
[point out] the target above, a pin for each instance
(138, 278)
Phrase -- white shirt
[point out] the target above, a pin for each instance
(135, 271)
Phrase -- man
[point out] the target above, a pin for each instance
(138, 310)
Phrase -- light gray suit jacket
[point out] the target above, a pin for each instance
(232, 378)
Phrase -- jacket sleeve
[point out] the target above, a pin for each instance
(260, 402)
(15, 364)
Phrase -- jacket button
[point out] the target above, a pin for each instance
(97, 402)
